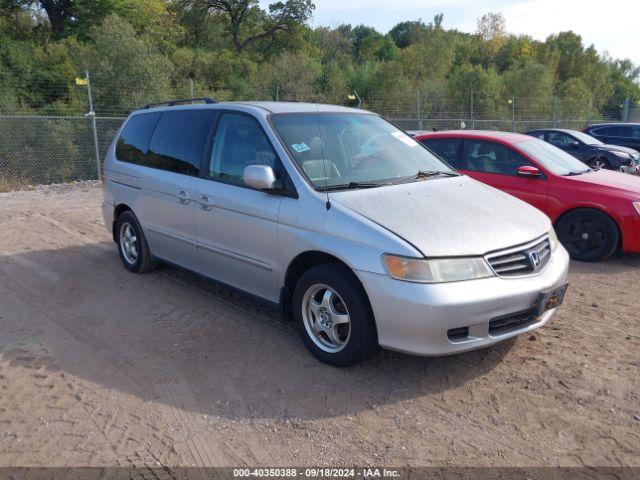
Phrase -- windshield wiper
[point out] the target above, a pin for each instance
(421, 174)
(573, 174)
(350, 186)
(433, 173)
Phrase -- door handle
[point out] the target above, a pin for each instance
(205, 203)
(183, 198)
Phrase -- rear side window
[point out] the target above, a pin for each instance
(134, 140)
(613, 131)
(179, 141)
(446, 148)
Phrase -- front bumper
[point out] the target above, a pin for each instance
(416, 318)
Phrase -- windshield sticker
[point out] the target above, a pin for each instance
(404, 138)
(300, 147)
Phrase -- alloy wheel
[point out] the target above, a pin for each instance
(326, 318)
(129, 243)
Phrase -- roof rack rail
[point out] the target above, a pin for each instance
(181, 101)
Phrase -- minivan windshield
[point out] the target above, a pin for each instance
(354, 150)
(552, 158)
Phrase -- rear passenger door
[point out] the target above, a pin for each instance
(236, 224)
(497, 165)
(167, 205)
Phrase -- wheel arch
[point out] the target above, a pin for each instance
(117, 211)
(302, 263)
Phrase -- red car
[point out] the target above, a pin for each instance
(594, 212)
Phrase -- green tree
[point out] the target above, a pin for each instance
(532, 85)
(488, 94)
(127, 69)
(248, 23)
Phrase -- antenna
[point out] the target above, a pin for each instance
(324, 164)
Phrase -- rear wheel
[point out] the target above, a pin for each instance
(333, 315)
(588, 235)
(132, 244)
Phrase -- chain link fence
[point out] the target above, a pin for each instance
(39, 148)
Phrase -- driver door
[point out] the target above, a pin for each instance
(236, 225)
(497, 165)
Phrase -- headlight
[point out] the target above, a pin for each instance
(436, 270)
(553, 239)
(621, 154)
(637, 206)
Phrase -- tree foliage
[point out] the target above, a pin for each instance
(143, 50)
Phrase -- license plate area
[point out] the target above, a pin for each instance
(550, 299)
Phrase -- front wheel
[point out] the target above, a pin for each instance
(333, 315)
(588, 235)
(600, 164)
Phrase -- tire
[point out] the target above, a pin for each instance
(588, 235)
(136, 256)
(600, 163)
(333, 315)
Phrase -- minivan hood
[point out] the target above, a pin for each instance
(454, 216)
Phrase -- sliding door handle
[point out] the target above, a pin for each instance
(205, 203)
(183, 198)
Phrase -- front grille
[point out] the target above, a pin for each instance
(511, 322)
(524, 260)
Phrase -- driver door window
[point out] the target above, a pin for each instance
(488, 157)
(238, 143)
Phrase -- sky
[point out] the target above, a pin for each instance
(611, 25)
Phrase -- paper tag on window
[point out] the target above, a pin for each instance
(404, 138)
(300, 147)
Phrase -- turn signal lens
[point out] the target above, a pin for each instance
(436, 270)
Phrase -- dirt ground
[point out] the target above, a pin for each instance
(102, 367)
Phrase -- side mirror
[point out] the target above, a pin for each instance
(260, 177)
(529, 171)
(574, 145)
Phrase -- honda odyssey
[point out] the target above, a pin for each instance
(350, 226)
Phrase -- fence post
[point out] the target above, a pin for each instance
(555, 111)
(473, 120)
(513, 113)
(418, 107)
(625, 110)
(92, 116)
(277, 93)
(191, 87)
(589, 112)
(358, 98)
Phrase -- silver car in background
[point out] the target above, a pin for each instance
(355, 230)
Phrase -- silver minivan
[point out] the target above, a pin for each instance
(351, 227)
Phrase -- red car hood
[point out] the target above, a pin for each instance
(610, 180)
